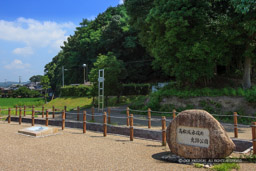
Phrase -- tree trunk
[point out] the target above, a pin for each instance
(247, 73)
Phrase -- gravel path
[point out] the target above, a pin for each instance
(72, 150)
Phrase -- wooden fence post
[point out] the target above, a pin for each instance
(127, 113)
(105, 124)
(84, 122)
(63, 119)
(42, 111)
(16, 111)
(173, 114)
(78, 110)
(24, 110)
(9, 115)
(163, 131)
(47, 114)
(20, 116)
(131, 127)
(65, 109)
(254, 137)
(53, 112)
(149, 118)
(235, 125)
(93, 113)
(33, 115)
(109, 121)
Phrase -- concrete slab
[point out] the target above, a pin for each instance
(38, 131)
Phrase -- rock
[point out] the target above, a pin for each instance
(197, 134)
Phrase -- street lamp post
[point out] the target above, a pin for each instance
(63, 75)
(84, 65)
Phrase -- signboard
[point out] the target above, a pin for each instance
(193, 136)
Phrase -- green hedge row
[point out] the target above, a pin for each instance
(76, 91)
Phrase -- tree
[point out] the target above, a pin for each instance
(178, 34)
(35, 78)
(114, 72)
(244, 18)
(45, 82)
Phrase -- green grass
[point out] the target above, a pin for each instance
(12, 102)
(226, 167)
(6, 103)
(70, 102)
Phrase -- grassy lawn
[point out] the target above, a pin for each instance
(6, 103)
(70, 102)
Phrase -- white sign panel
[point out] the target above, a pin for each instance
(193, 136)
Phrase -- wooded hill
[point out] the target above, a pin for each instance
(192, 42)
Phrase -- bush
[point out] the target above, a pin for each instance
(25, 92)
(76, 91)
(136, 89)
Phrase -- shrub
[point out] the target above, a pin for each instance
(76, 91)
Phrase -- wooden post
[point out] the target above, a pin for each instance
(163, 131)
(24, 110)
(46, 121)
(131, 127)
(65, 109)
(149, 118)
(93, 113)
(78, 110)
(63, 119)
(16, 111)
(42, 111)
(105, 124)
(109, 121)
(127, 114)
(84, 122)
(20, 116)
(53, 112)
(173, 114)
(254, 137)
(33, 115)
(9, 115)
(235, 125)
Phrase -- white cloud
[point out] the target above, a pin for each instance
(35, 34)
(26, 51)
(17, 64)
(121, 1)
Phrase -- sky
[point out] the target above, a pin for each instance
(32, 31)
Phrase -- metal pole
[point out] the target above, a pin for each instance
(84, 75)
(62, 76)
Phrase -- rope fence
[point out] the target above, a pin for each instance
(106, 116)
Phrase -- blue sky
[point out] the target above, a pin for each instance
(32, 31)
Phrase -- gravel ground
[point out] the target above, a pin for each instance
(71, 150)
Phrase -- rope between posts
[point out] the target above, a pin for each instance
(118, 117)
(247, 117)
(222, 115)
(118, 109)
(93, 115)
(137, 110)
(162, 112)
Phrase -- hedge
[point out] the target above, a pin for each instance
(76, 91)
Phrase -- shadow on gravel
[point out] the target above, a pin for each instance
(158, 156)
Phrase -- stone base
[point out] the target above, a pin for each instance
(38, 131)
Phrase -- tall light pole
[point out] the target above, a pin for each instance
(84, 65)
(63, 75)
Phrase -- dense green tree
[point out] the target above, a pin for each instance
(36, 78)
(45, 82)
(109, 32)
(114, 72)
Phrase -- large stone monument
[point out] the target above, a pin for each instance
(197, 134)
